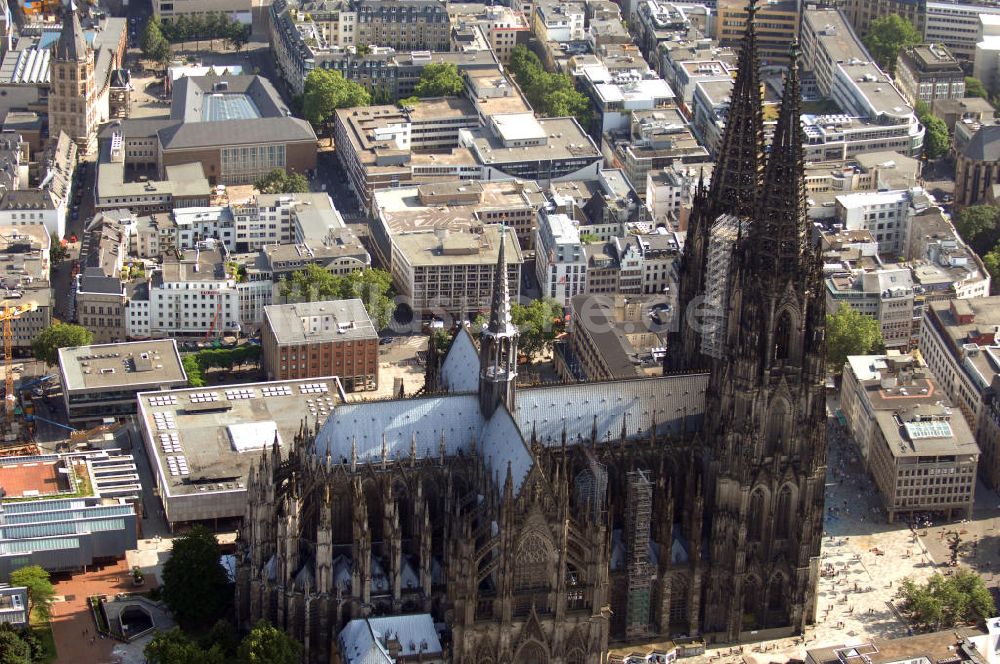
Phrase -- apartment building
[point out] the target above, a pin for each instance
(884, 293)
(101, 294)
(616, 96)
(48, 203)
(319, 339)
(560, 262)
(611, 338)
(927, 72)
(503, 27)
(958, 341)
(885, 213)
(561, 22)
(24, 277)
(410, 25)
(198, 293)
(653, 140)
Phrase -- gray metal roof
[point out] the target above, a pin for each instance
(191, 135)
(985, 144)
(72, 45)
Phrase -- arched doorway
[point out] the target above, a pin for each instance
(532, 652)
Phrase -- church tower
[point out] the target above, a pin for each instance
(498, 344)
(736, 181)
(73, 97)
(766, 441)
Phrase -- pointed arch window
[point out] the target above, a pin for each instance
(777, 427)
(783, 336)
(531, 653)
(531, 570)
(783, 513)
(755, 516)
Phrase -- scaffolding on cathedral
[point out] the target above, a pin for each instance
(723, 238)
(640, 507)
(592, 485)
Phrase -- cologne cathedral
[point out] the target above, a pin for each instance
(539, 525)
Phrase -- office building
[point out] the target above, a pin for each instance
(777, 26)
(957, 25)
(101, 381)
(560, 262)
(653, 140)
(201, 442)
(928, 72)
(885, 293)
(316, 339)
(861, 13)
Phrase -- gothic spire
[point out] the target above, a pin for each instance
(500, 321)
(737, 175)
(778, 236)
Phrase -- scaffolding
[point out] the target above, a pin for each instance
(639, 512)
(591, 486)
(716, 302)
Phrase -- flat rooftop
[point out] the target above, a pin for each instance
(835, 35)
(458, 248)
(35, 477)
(135, 364)
(205, 439)
(565, 140)
(314, 322)
(910, 431)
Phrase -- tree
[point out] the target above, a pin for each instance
(61, 335)
(40, 590)
(439, 79)
(946, 601)
(372, 286)
(975, 88)
(195, 584)
(279, 182)
(223, 635)
(589, 238)
(57, 250)
(193, 371)
(152, 36)
(539, 323)
(551, 95)
(978, 226)
(238, 35)
(325, 91)
(174, 647)
(13, 648)
(849, 332)
(887, 36)
(936, 137)
(266, 644)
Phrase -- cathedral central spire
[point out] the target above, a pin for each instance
(498, 342)
(737, 176)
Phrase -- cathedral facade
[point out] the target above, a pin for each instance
(541, 524)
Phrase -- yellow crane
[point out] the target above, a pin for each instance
(8, 314)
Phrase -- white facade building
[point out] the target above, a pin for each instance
(560, 262)
(617, 94)
(886, 214)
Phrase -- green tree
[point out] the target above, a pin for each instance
(174, 647)
(978, 226)
(946, 601)
(237, 35)
(61, 335)
(408, 101)
(279, 182)
(551, 95)
(223, 635)
(849, 332)
(975, 88)
(266, 644)
(442, 339)
(887, 36)
(151, 37)
(936, 137)
(195, 584)
(193, 371)
(57, 250)
(40, 590)
(589, 238)
(539, 323)
(439, 79)
(325, 91)
(13, 649)
(372, 286)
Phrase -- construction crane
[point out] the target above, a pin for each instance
(8, 314)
